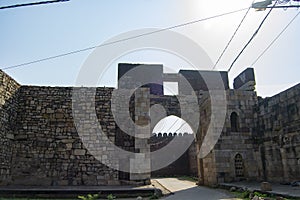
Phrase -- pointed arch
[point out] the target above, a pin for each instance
(234, 122)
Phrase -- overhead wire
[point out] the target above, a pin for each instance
(164, 29)
(232, 37)
(275, 39)
(121, 40)
(185, 123)
(252, 37)
(292, 20)
(171, 125)
(286, 7)
(255, 33)
(31, 4)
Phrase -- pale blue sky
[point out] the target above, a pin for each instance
(31, 33)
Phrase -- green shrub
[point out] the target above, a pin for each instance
(260, 194)
(154, 196)
(245, 194)
(89, 197)
(110, 197)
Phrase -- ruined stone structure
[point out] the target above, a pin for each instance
(40, 145)
(277, 140)
(8, 106)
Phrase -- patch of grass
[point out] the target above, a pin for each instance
(111, 197)
(12, 198)
(261, 195)
(241, 195)
(89, 197)
(154, 196)
(245, 195)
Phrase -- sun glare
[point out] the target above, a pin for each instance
(211, 8)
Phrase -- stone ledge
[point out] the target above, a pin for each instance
(73, 192)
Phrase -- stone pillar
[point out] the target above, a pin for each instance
(141, 163)
(199, 165)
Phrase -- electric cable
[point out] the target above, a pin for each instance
(275, 39)
(252, 37)
(234, 34)
(32, 4)
(120, 40)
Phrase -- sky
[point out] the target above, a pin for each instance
(36, 32)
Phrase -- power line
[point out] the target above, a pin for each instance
(252, 37)
(32, 4)
(181, 126)
(235, 32)
(260, 54)
(122, 40)
(284, 7)
(169, 129)
(275, 39)
(163, 126)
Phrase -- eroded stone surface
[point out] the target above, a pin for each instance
(40, 145)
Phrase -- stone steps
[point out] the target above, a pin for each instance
(74, 192)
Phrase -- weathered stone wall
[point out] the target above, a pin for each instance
(219, 165)
(207, 169)
(193, 160)
(8, 106)
(237, 139)
(40, 145)
(47, 148)
(279, 136)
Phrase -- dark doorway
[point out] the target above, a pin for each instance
(239, 166)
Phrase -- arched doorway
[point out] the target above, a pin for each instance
(165, 131)
(239, 166)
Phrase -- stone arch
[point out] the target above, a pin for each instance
(234, 122)
(181, 166)
(239, 166)
(171, 125)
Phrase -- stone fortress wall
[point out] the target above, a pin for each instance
(41, 146)
(278, 136)
(259, 141)
(8, 106)
(236, 139)
(39, 143)
(47, 149)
